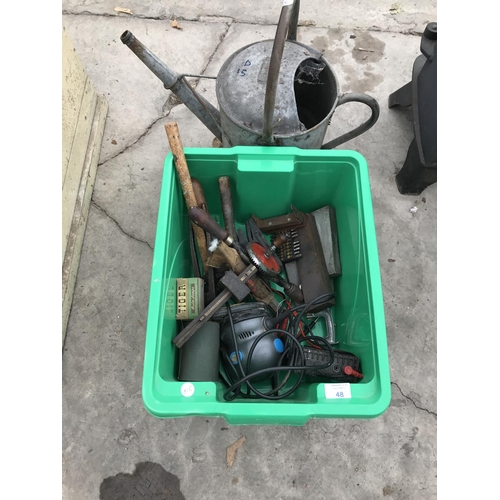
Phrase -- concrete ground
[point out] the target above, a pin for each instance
(106, 429)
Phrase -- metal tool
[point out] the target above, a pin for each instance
(226, 200)
(265, 259)
(314, 278)
(272, 92)
(280, 223)
(192, 251)
(326, 222)
(292, 272)
(181, 167)
(209, 271)
(235, 260)
(268, 263)
(203, 220)
(291, 249)
(211, 309)
(326, 314)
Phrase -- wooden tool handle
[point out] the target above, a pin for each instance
(202, 219)
(199, 194)
(181, 167)
(280, 240)
(233, 260)
(256, 285)
(180, 163)
(227, 205)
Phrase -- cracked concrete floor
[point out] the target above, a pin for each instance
(106, 429)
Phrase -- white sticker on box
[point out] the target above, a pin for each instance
(187, 389)
(338, 391)
(287, 2)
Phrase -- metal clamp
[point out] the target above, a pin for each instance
(326, 314)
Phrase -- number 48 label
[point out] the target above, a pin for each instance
(338, 391)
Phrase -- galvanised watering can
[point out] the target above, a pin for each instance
(275, 92)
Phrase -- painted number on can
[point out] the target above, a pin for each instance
(243, 72)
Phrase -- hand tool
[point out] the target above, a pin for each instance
(235, 257)
(203, 219)
(185, 179)
(291, 249)
(280, 223)
(268, 263)
(194, 255)
(265, 259)
(326, 314)
(314, 278)
(209, 270)
(227, 206)
(326, 222)
(211, 309)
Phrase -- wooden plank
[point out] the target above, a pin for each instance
(77, 159)
(74, 79)
(81, 209)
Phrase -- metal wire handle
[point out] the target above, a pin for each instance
(364, 99)
(287, 24)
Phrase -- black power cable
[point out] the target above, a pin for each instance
(293, 350)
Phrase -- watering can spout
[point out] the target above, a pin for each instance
(176, 83)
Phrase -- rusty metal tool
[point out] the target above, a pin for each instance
(268, 263)
(211, 309)
(209, 271)
(234, 256)
(226, 200)
(264, 258)
(192, 250)
(236, 286)
(291, 249)
(185, 179)
(294, 219)
(313, 273)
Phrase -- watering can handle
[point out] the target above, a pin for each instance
(294, 21)
(365, 99)
(287, 24)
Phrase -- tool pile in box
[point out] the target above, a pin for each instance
(248, 314)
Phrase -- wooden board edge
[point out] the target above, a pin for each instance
(82, 206)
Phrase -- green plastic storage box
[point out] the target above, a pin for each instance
(265, 181)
